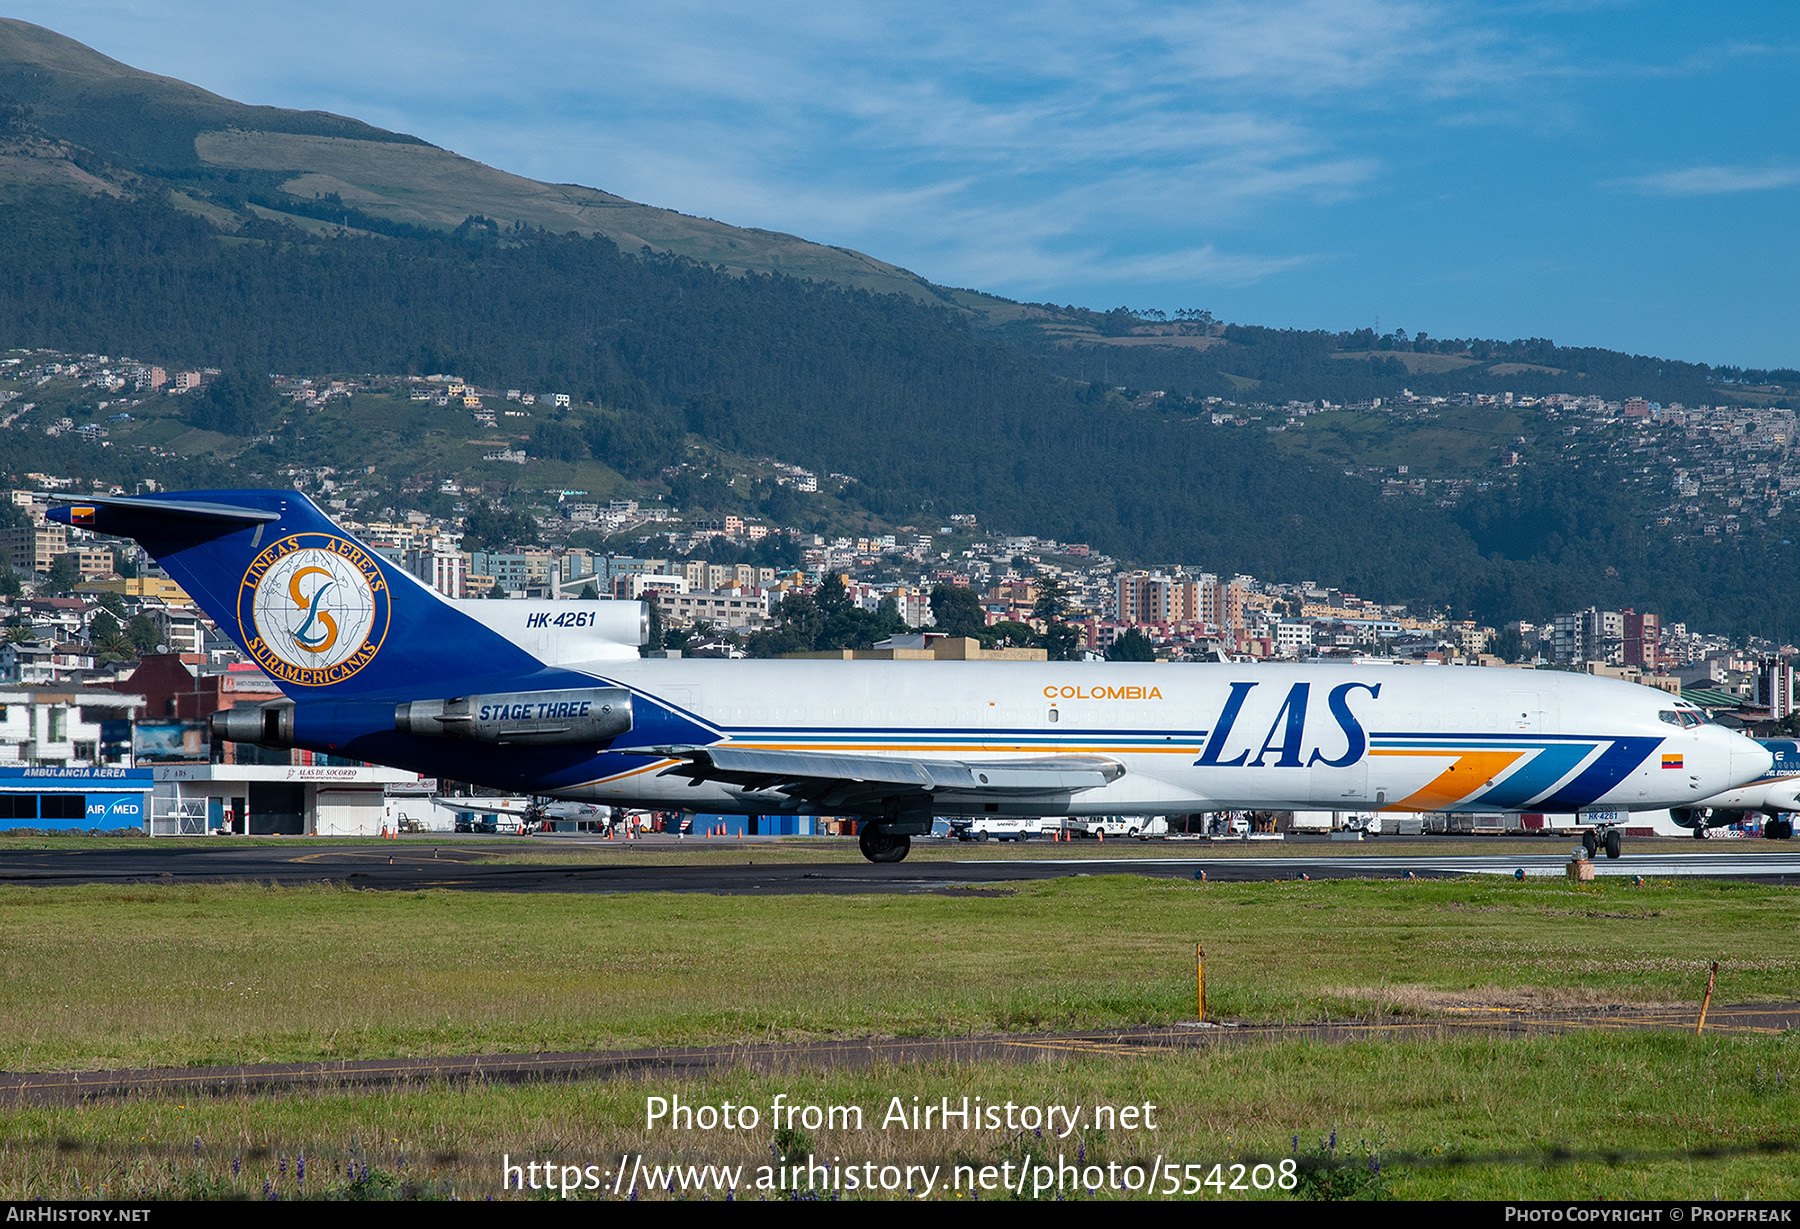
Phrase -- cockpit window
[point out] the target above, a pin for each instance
(1686, 718)
(1670, 716)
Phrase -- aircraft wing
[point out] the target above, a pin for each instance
(852, 781)
(481, 808)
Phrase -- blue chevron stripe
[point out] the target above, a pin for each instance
(1615, 764)
(1537, 776)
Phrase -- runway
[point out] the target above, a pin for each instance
(417, 866)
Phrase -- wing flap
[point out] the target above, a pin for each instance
(816, 773)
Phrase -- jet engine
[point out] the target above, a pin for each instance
(542, 718)
(268, 725)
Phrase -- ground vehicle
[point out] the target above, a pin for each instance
(993, 829)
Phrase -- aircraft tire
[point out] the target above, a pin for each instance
(878, 845)
(1614, 844)
(1592, 844)
(1779, 829)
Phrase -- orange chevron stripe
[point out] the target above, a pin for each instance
(1471, 771)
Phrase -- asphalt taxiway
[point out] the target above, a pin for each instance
(418, 866)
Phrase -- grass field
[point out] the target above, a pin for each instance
(1573, 1117)
(161, 976)
(555, 851)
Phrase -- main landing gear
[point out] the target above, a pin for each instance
(878, 844)
(1609, 838)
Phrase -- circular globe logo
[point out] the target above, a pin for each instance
(313, 609)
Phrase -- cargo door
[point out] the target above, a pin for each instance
(1340, 789)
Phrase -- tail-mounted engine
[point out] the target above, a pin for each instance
(589, 715)
(544, 718)
(268, 725)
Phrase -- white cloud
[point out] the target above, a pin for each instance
(1713, 180)
(1001, 145)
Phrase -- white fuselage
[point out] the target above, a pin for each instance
(1203, 737)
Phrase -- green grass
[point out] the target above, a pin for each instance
(1433, 363)
(158, 976)
(1457, 442)
(1572, 1117)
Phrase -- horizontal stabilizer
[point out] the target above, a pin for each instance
(127, 517)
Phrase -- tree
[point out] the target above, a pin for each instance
(799, 625)
(1053, 600)
(653, 640)
(108, 638)
(1010, 633)
(143, 634)
(589, 593)
(957, 611)
(849, 626)
(63, 575)
(486, 527)
(557, 441)
(1060, 641)
(1132, 646)
(102, 627)
(238, 402)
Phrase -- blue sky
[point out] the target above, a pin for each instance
(1614, 174)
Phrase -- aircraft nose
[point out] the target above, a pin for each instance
(1749, 760)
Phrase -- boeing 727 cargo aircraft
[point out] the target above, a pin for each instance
(552, 699)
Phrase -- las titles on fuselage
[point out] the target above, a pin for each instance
(1211, 736)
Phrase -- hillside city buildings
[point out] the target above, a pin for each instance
(122, 628)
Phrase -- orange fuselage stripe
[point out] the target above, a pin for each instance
(1472, 770)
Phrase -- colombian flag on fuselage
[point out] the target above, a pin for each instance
(1672, 761)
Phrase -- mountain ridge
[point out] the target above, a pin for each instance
(158, 127)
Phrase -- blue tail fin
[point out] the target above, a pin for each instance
(323, 615)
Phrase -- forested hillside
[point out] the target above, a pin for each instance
(1250, 363)
(930, 416)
